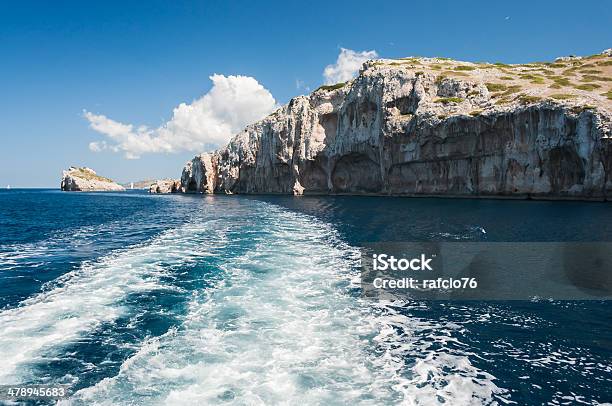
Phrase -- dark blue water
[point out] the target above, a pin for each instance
(180, 299)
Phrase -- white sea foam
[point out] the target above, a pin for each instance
(430, 366)
(82, 300)
(283, 329)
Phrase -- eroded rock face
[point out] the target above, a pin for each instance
(87, 180)
(199, 174)
(400, 131)
(166, 186)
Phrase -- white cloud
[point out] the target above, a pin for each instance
(97, 146)
(206, 123)
(347, 65)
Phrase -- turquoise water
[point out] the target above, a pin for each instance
(133, 298)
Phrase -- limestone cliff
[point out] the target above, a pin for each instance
(430, 126)
(87, 180)
(166, 186)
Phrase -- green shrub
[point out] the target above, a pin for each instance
(440, 79)
(593, 78)
(580, 109)
(503, 100)
(331, 87)
(475, 113)
(596, 56)
(454, 73)
(511, 90)
(608, 94)
(561, 81)
(495, 87)
(562, 96)
(554, 64)
(448, 100)
(464, 68)
(570, 71)
(604, 63)
(533, 78)
(555, 86)
(546, 71)
(506, 78)
(591, 71)
(525, 99)
(588, 86)
(411, 60)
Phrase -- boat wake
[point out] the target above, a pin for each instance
(283, 322)
(286, 326)
(78, 302)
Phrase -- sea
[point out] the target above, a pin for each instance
(138, 299)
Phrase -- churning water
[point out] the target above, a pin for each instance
(175, 299)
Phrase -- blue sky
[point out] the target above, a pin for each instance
(136, 61)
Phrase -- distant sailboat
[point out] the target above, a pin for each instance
(8, 187)
(132, 185)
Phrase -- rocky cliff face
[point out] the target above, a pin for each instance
(430, 126)
(166, 186)
(87, 180)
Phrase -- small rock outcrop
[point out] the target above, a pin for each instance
(87, 180)
(166, 186)
(430, 127)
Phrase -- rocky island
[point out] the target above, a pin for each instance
(431, 127)
(87, 180)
